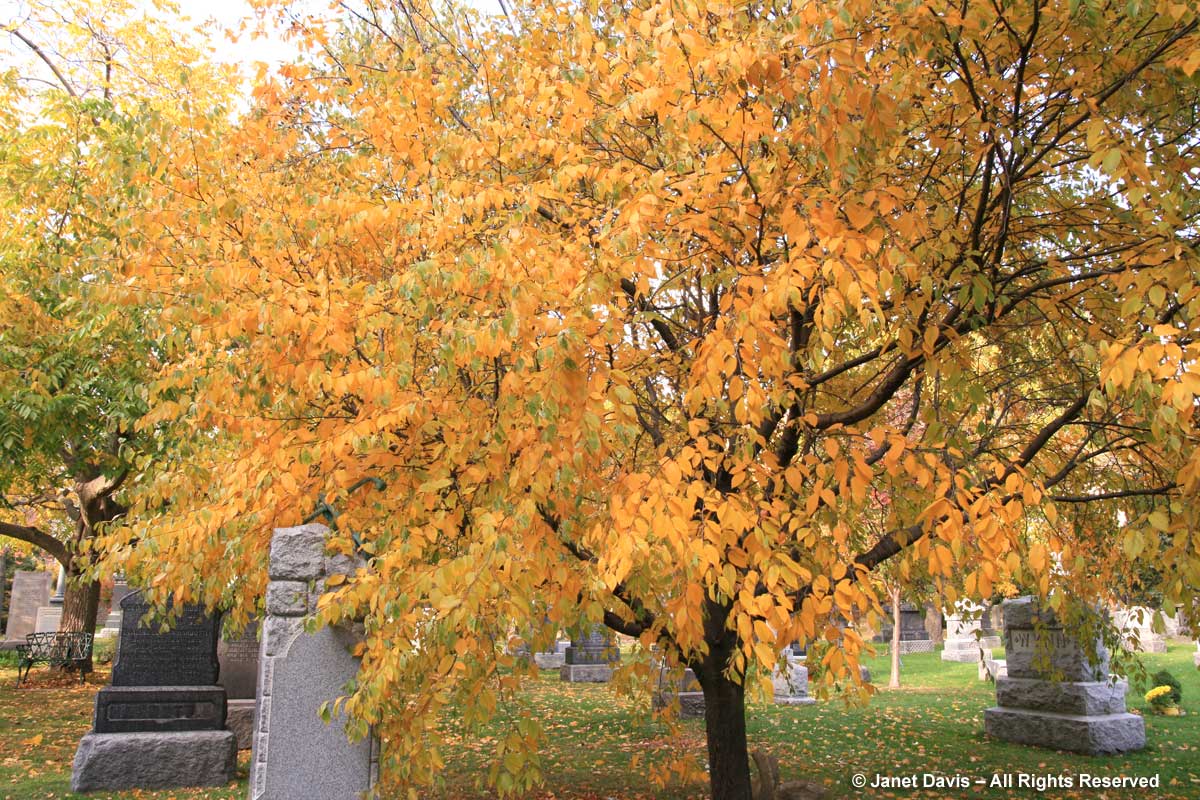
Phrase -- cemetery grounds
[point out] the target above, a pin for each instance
(599, 746)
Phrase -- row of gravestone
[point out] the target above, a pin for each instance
(162, 721)
(34, 609)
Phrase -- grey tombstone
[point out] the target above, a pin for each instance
(296, 755)
(680, 692)
(790, 681)
(49, 616)
(964, 635)
(161, 722)
(1136, 627)
(238, 656)
(30, 590)
(991, 626)
(552, 659)
(112, 620)
(1058, 692)
(590, 657)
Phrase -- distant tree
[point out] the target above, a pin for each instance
(92, 97)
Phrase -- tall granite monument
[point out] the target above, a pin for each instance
(296, 755)
(161, 723)
(1058, 693)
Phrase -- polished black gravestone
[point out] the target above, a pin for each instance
(161, 724)
(183, 655)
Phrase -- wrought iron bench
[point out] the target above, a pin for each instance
(55, 649)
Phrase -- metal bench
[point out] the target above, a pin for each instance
(55, 649)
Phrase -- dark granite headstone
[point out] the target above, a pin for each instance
(594, 647)
(185, 655)
(239, 663)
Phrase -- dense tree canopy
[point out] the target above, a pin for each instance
(92, 94)
(684, 317)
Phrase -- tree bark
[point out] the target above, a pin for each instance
(933, 624)
(724, 710)
(894, 679)
(725, 729)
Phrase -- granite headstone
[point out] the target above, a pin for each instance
(238, 656)
(161, 722)
(590, 657)
(297, 755)
(790, 682)
(183, 655)
(1058, 692)
(30, 591)
(678, 691)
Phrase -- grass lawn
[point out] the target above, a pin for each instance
(600, 746)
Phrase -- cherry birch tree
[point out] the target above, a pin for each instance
(639, 308)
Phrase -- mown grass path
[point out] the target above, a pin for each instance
(599, 745)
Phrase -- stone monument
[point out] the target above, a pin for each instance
(552, 659)
(991, 626)
(1058, 693)
(30, 590)
(679, 690)
(590, 657)
(160, 724)
(914, 638)
(296, 754)
(1136, 627)
(112, 621)
(238, 656)
(790, 681)
(964, 634)
(49, 616)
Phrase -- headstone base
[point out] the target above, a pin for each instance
(239, 718)
(1088, 698)
(991, 669)
(586, 673)
(159, 709)
(691, 704)
(113, 761)
(549, 660)
(1095, 735)
(963, 651)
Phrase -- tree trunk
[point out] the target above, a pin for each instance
(724, 709)
(725, 729)
(80, 606)
(933, 624)
(894, 679)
